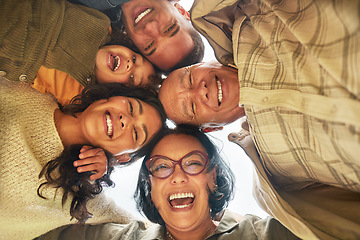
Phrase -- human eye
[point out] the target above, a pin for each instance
(160, 167)
(149, 46)
(170, 28)
(193, 108)
(193, 165)
(190, 76)
(131, 109)
(136, 136)
(194, 162)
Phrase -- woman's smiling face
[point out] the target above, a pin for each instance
(115, 63)
(188, 208)
(119, 124)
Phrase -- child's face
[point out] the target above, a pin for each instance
(115, 63)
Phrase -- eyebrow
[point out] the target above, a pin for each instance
(187, 74)
(146, 134)
(186, 112)
(150, 53)
(175, 31)
(182, 77)
(140, 106)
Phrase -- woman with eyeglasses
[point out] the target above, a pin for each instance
(184, 186)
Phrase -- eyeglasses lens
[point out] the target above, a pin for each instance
(191, 164)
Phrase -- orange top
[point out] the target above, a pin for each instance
(59, 84)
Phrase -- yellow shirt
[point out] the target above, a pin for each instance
(61, 85)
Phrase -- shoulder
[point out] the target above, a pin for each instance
(254, 227)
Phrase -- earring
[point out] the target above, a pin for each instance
(122, 29)
(218, 195)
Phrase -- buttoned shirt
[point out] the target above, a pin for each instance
(298, 68)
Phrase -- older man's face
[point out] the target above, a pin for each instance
(205, 94)
(159, 30)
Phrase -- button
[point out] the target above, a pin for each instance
(88, 79)
(23, 78)
(2, 73)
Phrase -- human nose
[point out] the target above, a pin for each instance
(200, 91)
(125, 121)
(178, 176)
(152, 29)
(129, 64)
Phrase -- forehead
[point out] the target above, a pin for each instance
(172, 50)
(116, 48)
(173, 94)
(177, 145)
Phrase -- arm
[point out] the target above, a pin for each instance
(92, 160)
(60, 173)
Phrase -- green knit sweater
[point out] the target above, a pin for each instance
(28, 140)
(53, 33)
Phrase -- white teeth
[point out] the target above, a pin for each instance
(109, 124)
(182, 206)
(141, 15)
(117, 59)
(181, 195)
(219, 91)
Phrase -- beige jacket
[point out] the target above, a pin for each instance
(28, 140)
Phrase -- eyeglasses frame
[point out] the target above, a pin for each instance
(178, 162)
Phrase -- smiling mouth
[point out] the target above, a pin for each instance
(220, 94)
(109, 124)
(142, 15)
(181, 200)
(114, 62)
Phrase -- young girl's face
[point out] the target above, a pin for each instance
(115, 63)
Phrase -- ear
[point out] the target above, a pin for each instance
(213, 177)
(182, 11)
(213, 174)
(123, 158)
(211, 129)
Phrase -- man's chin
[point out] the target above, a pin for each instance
(234, 115)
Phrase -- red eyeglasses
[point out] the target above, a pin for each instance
(192, 163)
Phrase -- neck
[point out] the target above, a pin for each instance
(67, 128)
(196, 234)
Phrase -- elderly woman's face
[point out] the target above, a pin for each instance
(182, 199)
(119, 124)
